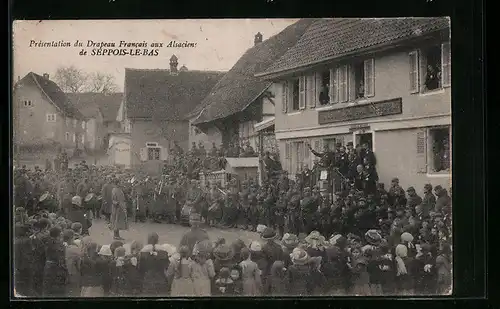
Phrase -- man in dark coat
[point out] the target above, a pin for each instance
(429, 200)
(369, 154)
(308, 207)
(107, 201)
(443, 200)
(396, 194)
(327, 161)
(413, 199)
(118, 219)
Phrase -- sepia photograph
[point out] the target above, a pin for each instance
(232, 157)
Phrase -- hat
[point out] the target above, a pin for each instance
(315, 238)
(334, 238)
(360, 261)
(268, 234)
(406, 237)
(299, 256)
(223, 253)
(260, 228)
(373, 237)
(395, 179)
(428, 186)
(410, 189)
(76, 200)
(105, 251)
(255, 246)
(203, 247)
(350, 144)
(366, 248)
(290, 240)
(169, 249)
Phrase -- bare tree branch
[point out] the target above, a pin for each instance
(71, 79)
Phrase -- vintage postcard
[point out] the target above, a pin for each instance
(232, 157)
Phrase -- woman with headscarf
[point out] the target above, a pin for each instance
(404, 268)
(153, 263)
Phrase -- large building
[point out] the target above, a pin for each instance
(241, 107)
(153, 111)
(44, 121)
(385, 82)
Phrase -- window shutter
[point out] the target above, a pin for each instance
(369, 77)
(414, 72)
(446, 64)
(163, 153)
(334, 85)
(306, 150)
(343, 84)
(284, 97)
(143, 154)
(311, 90)
(421, 151)
(302, 92)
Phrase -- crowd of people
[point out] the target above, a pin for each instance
(362, 240)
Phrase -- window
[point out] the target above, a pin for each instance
(439, 151)
(358, 88)
(324, 87)
(74, 138)
(51, 117)
(67, 120)
(66, 136)
(74, 123)
(295, 85)
(83, 125)
(302, 92)
(430, 68)
(298, 148)
(154, 153)
(28, 103)
(83, 139)
(431, 57)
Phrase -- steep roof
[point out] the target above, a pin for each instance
(53, 93)
(162, 95)
(328, 39)
(239, 87)
(91, 103)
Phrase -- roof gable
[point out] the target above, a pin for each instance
(53, 93)
(239, 87)
(92, 104)
(327, 39)
(162, 95)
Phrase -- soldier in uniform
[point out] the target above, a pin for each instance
(429, 200)
(294, 224)
(140, 196)
(280, 211)
(413, 199)
(107, 202)
(396, 194)
(215, 210)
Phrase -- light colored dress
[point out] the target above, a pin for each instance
(182, 284)
(202, 275)
(250, 275)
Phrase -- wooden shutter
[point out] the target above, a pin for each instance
(284, 97)
(446, 64)
(302, 92)
(300, 155)
(311, 90)
(316, 145)
(287, 156)
(343, 84)
(414, 71)
(334, 85)
(421, 151)
(369, 77)
(164, 153)
(306, 151)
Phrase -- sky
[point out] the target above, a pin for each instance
(219, 43)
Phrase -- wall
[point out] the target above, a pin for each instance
(391, 81)
(212, 135)
(31, 124)
(164, 133)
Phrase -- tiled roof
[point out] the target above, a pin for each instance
(162, 95)
(91, 103)
(331, 38)
(239, 87)
(53, 93)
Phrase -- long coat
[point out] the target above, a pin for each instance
(107, 197)
(119, 210)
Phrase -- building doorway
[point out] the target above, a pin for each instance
(362, 138)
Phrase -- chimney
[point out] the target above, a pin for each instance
(173, 64)
(46, 75)
(258, 38)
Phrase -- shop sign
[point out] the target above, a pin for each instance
(374, 109)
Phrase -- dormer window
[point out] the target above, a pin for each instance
(28, 103)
